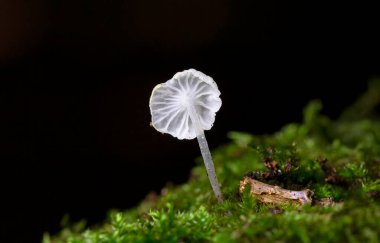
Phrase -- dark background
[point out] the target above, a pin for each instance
(76, 77)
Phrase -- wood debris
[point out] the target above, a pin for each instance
(274, 194)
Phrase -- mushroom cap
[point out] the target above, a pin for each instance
(170, 103)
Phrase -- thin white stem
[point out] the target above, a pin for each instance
(207, 159)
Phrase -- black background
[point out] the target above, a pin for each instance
(76, 77)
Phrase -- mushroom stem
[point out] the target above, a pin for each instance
(209, 166)
(207, 159)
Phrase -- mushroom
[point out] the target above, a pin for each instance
(184, 107)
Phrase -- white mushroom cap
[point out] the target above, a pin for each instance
(170, 103)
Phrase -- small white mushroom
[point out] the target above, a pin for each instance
(184, 107)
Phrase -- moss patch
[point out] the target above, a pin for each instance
(335, 159)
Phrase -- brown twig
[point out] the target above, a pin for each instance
(275, 194)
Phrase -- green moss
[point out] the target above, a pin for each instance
(336, 159)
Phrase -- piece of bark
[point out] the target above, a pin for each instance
(275, 194)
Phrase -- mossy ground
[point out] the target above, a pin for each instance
(336, 159)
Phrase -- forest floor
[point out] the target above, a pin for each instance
(337, 161)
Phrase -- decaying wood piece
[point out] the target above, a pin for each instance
(275, 194)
